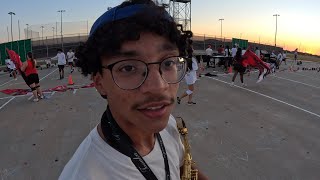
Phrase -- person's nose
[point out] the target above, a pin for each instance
(154, 82)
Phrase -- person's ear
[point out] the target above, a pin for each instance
(98, 82)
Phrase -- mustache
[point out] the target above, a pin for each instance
(152, 99)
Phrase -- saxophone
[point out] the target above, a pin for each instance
(187, 172)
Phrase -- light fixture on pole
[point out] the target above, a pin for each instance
(275, 37)
(11, 13)
(221, 27)
(61, 11)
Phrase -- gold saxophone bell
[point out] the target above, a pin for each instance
(187, 172)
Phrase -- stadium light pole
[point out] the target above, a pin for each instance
(275, 36)
(11, 13)
(61, 11)
(27, 31)
(52, 32)
(221, 27)
(8, 33)
(42, 32)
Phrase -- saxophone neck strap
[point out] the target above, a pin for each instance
(120, 141)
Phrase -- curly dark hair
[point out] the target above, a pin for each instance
(107, 40)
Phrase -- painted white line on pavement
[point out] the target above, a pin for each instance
(30, 97)
(8, 97)
(269, 97)
(74, 91)
(48, 74)
(6, 82)
(296, 82)
(6, 103)
(306, 76)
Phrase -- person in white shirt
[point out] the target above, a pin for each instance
(70, 57)
(11, 67)
(257, 52)
(279, 59)
(209, 53)
(284, 57)
(190, 78)
(234, 51)
(61, 62)
(137, 137)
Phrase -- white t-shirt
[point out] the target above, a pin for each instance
(243, 51)
(10, 64)
(191, 75)
(284, 56)
(61, 58)
(70, 56)
(226, 52)
(209, 51)
(95, 159)
(234, 52)
(279, 57)
(258, 52)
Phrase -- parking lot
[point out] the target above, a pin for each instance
(263, 131)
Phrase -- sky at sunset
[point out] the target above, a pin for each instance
(298, 23)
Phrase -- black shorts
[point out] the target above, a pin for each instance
(32, 78)
(70, 63)
(239, 68)
(61, 67)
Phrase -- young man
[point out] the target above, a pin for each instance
(61, 62)
(234, 51)
(11, 68)
(209, 53)
(70, 57)
(285, 57)
(279, 59)
(135, 63)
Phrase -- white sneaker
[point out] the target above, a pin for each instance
(35, 100)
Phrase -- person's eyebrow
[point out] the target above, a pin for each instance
(167, 47)
(126, 54)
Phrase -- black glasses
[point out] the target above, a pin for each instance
(130, 74)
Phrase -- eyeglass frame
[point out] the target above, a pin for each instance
(110, 67)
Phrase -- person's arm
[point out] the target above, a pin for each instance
(24, 66)
(53, 58)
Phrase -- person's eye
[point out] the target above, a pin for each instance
(127, 68)
(169, 63)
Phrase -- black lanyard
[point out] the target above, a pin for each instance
(120, 141)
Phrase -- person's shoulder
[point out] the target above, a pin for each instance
(172, 126)
(79, 160)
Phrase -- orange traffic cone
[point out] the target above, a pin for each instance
(70, 81)
(230, 70)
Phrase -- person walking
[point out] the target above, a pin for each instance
(238, 67)
(30, 70)
(70, 57)
(61, 57)
(190, 78)
(11, 68)
(209, 53)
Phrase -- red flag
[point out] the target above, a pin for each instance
(251, 59)
(15, 58)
